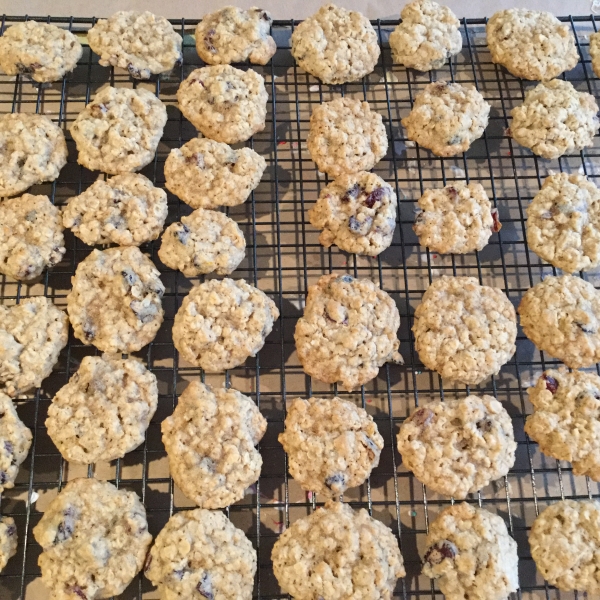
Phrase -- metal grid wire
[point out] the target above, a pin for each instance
(283, 259)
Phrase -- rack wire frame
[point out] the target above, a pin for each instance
(283, 259)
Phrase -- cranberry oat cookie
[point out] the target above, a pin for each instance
(8, 540)
(595, 52)
(15, 441)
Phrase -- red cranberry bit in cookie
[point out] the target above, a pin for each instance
(209, 41)
(497, 226)
(352, 194)
(375, 196)
(205, 587)
(452, 192)
(77, 590)
(551, 383)
(336, 482)
(439, 551)
(422, 417)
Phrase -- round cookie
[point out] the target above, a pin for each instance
(115, 303)
(31, 236)
(200, 553)
(564, 542)
(555, 119)
(336, 45)
(561, 316)
(221, 323)
(463, 330)
(225, 104)
(8, 540)
(206, 241)
(447, 118)
(119, 130)
(126, 210)
(357, 213)
(594, 50)
(208, 174)
(42, 51)
(233, 35)
(104, 410)
(457, 447)
(141, 42)
(457, 219)
(471, 555)
(337, 553)
(346, 136)
(94, 539)
(210, 439)
(348, 330)
(32, 334)
(32, 150)
(332, 444)
(15, 441)
(531, 44)
(427, 37)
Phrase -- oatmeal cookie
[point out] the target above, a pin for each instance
(210, 439)
(595, 52)
(8, 540)
(15, 441)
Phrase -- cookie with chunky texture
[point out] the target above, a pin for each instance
(471, 555)
(233, 35)
(204, 242)
(594, 50)
(346, 136)
(337, 553)
(210, 439)
(427, 37)
(94, 539)
(348, 330)
(119, 130)
(447, 118)
(555, 119)
(104, 410)
(32, 334)
(531, 44)
(222, 322)
(463, 330)
(200, 553)
(31, 236)
(141, 42)
(32, 150)
(115, 303)
(8, 540)
(561, 316)
(458, 218)
(332, 444)
(224, 103)
(42, 51)
(15, 441)
(457, 447)
(336, 45)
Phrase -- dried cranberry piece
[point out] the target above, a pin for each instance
(352, 194)
(205, 587)
(375, 196)
(209, 42)
(8, 447)
(439, 551)
(370, 444)
(182, 233)
(422, 417)
(134, 71)
(551, 383)
(337, 480)
(452, 192)
(89, 331)
(77, 590)
(497, 226)
(3, 477)
(11, 530)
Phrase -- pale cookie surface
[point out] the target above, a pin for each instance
(595, 52)
(32, 150)
(223, 322)
(126, 210)
(336, 45)
(31, 236)
(224, 103)
(94, 539)
(531, 44)
(427, 36)
(206, 241)
(447, 118)
(42, 51)
(233, 35)
(471, 554)
(564, 541)
(463, 330)
(337, 553)
(210, 439)
(8, 540)
(141, 42)
(104, 410)
(348, 330)
(32, 334)
(458, 218)
(357, 213)
(332, 444)
(115, 303)
(200, 553)
(119, 130)
(561, 316)
(346, 136)
(555, 119)
(208, 174)
(457, 447)
(15, 440)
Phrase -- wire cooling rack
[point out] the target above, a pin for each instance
(283, 259)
